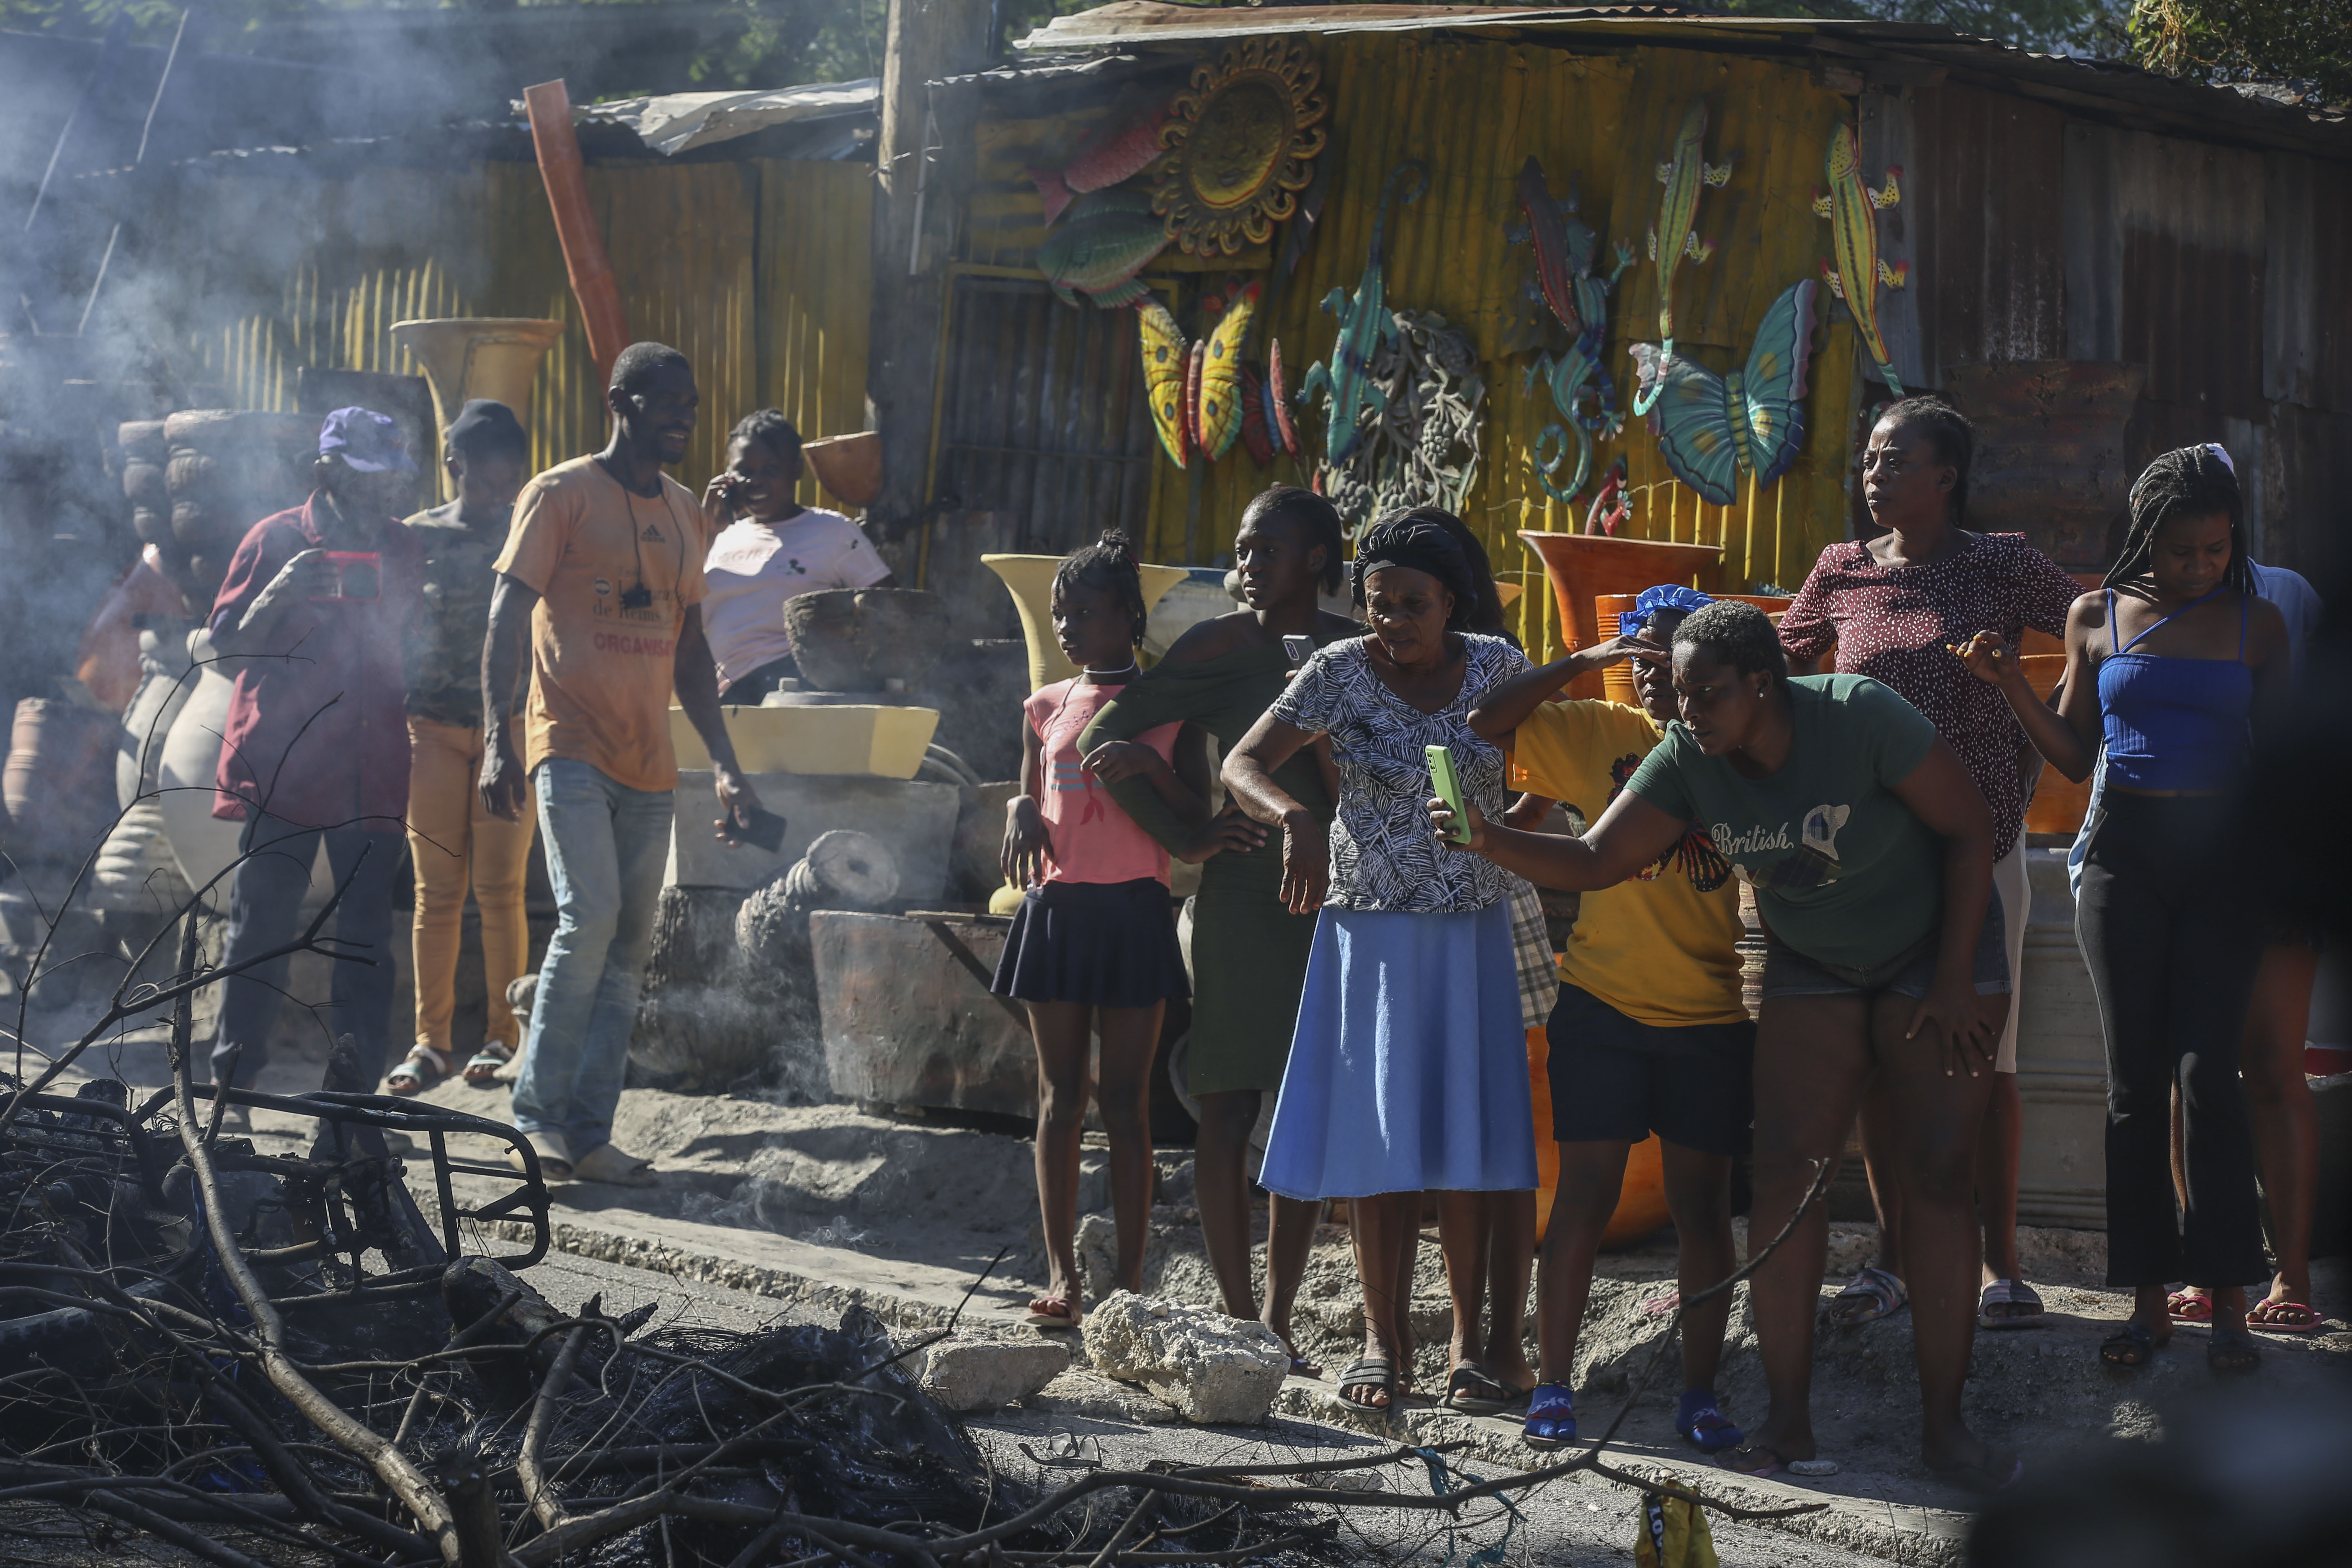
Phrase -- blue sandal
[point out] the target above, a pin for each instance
(1704, 1426)
(1551, 1416)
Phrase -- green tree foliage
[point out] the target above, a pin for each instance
(2302, 41)
(2045, 27)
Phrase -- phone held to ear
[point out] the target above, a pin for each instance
(1449, 790)
(1298, 648)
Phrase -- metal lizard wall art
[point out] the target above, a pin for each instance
(1852, 209)
(1365, 325)
(1564, 251)
(1674, 238)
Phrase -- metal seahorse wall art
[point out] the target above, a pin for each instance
(1365, 324)
(1675, 235)
(1565, 248)
(1852, 209)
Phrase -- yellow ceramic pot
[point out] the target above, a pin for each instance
(837, 739)
(1030, 578)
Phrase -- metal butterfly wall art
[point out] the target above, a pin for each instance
(1712, 429)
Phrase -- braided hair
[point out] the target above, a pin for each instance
(1315, 518)
(1107, 566)
(768, 427)
(1948, 431)
(2189, 481)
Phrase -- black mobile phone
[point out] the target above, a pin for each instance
(1298, 648)
(766, 829)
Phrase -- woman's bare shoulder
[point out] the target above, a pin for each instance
(1212, 638)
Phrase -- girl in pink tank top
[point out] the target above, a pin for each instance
(1093, 948)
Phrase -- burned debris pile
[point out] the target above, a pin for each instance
(267, 1358)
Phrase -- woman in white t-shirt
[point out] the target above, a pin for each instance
(770, 548)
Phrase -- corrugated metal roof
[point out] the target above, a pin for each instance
(1878, 52)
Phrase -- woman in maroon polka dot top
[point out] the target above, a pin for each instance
(1897, 606)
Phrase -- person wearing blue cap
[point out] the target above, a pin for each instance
(315, 609)
(1649, 1033)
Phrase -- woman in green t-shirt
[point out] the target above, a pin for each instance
(1871, 853)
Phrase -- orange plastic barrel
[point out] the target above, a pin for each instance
(1641, 1198)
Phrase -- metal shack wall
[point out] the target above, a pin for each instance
(1472, 110)
(757, 271)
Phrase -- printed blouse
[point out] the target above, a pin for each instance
(1898, 625)
(1384, 855)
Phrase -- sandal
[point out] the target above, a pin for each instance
(1551, 1416)
(2133, 1345)
(1756, 1459)
(1703, 1426)
(554, 1156)
(2272, 1317)
(1472, 1390)
(482, 1066)
(424, 1067)
(1985, 1477)
(1055, 1314)
(2232, 1353)
(1879, 1293)
(1369, 1372)
(2190, 1306)
(2013, 1294)
(613, 1166)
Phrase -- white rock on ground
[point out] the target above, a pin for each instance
(971, 1375)
(1206, 1366)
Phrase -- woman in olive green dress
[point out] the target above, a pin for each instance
(1249, 952)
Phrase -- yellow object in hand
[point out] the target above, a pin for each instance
(1674, 1534)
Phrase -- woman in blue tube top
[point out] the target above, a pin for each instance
(2171, 663)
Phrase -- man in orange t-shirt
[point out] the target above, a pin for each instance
(602, 574)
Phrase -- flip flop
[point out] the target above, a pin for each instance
(2232, 1353)
(554, 1158)
(1551, 1416)
(1881, 1293)
(2260, 1320)
(482, 1068)
(1369, 1372)
(1756, 1459)
(2010, 1293)
(2130, 1347)
(2184, 1308)
(1467, 1391)
(1983, 1478)
(423, 1067)
(1052, 1313)
(609, 1164)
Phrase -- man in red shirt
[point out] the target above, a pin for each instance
(313, 615)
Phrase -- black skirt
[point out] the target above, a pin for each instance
(1106, 944)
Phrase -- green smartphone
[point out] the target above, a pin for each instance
(1449, 790)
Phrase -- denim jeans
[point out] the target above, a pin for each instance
(265, 911)
(606, 847)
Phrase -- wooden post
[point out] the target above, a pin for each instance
(923, 166)
(584, 259)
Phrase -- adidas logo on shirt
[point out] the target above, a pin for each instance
(652, 536)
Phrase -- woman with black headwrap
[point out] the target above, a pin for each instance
(1407, 1067)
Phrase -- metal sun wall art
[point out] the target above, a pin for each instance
(1852, 209)
(1242, 144)
(1675, 235)
(1563, 279)
(1711, 427)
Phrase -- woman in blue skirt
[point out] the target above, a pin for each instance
(1408, 1070)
